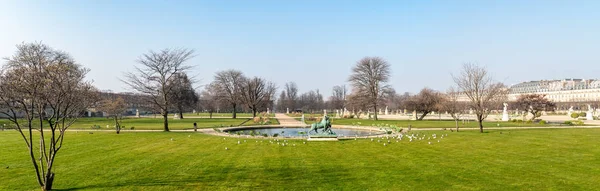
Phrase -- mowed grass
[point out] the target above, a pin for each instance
(244, 115)
(152, 123)
(548, 159)
(431, 123)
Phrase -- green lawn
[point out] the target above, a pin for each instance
(220, 115)
(549, 159)
(153, 123)
(428, 123)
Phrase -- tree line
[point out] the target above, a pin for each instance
(43, 91)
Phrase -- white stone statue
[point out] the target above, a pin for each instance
(529, 114)
(505, 113)
(287, 110)
(589, 115)
(302, 119)
(570, 111)
(386, 110)
(324, 112)
(137, 113)
(268, 111)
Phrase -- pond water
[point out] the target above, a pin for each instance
(301, 132)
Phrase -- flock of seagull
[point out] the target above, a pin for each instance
(386, 139)
(416, 137)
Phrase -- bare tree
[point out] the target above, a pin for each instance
(153, 77)
(534, 104)
(209, 99)
(184, 95)
(425, 102)
(291, 95)
(228, 84)
(369, 78)
(483, 93)
(43, 90)
(453, 105)
(311, 101)
(338, 96)
(115, 107)
(255, 92)
(281, 101)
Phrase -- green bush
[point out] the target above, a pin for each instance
(538, 114)
(582, 114)
(574, 122)
(519, 120)
(578, 122)
(514, 120)
(542, 122)
(574, 115)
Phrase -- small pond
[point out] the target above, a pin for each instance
(301, 132)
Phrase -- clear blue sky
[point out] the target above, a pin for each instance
(315, 43)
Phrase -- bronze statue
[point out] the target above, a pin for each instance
(325, 124)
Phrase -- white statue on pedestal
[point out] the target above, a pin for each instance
(589, 115)
(570, 111)
(324, 112)
(268, 111)
(137, 113)
(505, 112)
(386, 110)
(287, 110)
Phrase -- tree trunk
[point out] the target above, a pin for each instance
(180, 113)
(375, 116)
(254, 112)
(422, 116)
(117, 125)
(48, 183)
(166, 121)
(234, 108)
(480, 120)
(456, 123)
(210, 114)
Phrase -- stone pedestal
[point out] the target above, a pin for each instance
(589, 116)
(505, 116)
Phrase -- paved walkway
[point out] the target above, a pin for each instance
(288, 121)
